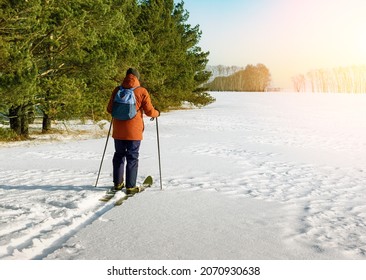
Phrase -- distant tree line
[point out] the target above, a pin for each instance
(63, 58)
(222, 70)
(337, 80)
(252, 78)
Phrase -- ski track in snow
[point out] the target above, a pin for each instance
(37, 218)
(44, 206)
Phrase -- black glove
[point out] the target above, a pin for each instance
(157, 116)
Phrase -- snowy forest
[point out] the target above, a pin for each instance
(61, 59)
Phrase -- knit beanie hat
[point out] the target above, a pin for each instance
(134, 72)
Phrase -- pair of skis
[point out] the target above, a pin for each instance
(110, 194)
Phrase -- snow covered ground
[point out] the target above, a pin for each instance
(252, 176)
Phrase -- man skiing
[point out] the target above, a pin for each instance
(127, 134)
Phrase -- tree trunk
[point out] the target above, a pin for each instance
(46, 123)
(24, 128)
(19, 120)
(15, 120)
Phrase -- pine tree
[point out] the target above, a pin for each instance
(79, 53)
(18, 72)
(54, 51)
(192, 62)
(114, 50)
(174, 65)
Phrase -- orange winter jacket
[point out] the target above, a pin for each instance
(132, 129)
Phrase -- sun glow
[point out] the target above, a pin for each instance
(289, 37)
(362, 45)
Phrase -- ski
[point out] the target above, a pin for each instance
(109, 195)
(145, 184)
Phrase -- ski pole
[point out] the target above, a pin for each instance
(105, 148)
(157, 137)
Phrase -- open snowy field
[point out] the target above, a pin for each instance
(252, 176)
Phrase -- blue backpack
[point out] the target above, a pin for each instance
(124, 104)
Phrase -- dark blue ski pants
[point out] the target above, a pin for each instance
(126, 151)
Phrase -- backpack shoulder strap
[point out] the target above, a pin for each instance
(135, 88)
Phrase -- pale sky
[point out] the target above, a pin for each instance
(290, 37)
